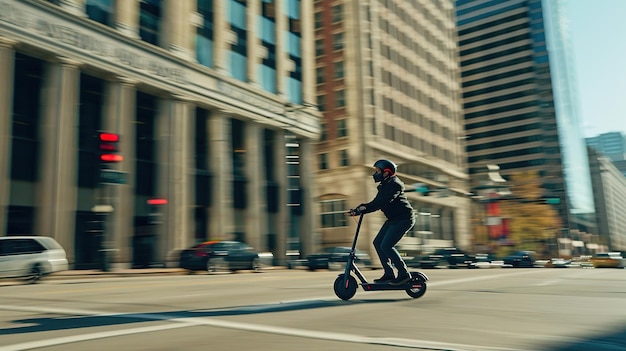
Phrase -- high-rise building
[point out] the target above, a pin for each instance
(213, 105)
(388, 87)
(519, 99)
(611, 145)
(610, 198)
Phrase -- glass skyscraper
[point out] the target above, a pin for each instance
(519, 98)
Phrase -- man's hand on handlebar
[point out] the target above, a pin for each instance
(356, 211)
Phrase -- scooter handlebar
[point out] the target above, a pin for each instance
(354, 212)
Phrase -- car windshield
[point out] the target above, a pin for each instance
(50, 243)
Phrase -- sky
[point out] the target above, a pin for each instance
(597, 31)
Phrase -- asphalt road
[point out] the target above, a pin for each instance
(490, 309)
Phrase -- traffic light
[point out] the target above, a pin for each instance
(107, 146)
(155, 216)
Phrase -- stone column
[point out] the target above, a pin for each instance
(256, 212)
(174, 145)
(253, 15)
(462, 228)
(178, 29)
(179, 178)
(308, 227)
(221, 217)
(119, 118)
(282, 217)
(282, 68)
(7, 66)
(221, 36)
(57, 189)
(309, 95)
(127, 18)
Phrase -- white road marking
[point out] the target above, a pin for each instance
(200, 321)
(85, 337)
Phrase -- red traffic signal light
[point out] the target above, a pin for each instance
(107, 144)
(156, 202)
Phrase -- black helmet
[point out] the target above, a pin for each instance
(385, 165)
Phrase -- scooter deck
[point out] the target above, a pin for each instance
(387, 286)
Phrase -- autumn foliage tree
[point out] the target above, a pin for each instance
(532, 222)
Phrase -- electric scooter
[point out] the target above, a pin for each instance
(346, 285)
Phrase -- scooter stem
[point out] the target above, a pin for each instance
(350, 260)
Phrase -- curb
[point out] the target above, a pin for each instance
(113, 273)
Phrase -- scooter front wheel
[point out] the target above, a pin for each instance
(418, 287)
(345, 288)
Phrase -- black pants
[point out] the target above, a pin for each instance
(388, 236)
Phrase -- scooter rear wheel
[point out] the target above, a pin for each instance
(418, 289)
(345, 290)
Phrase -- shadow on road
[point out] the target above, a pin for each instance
(614, 341)
(605, 342)
(64, 322)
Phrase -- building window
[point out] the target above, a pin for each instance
(319, 75)
(267, 35)
(337, 13)
(319, 47)
(333, 213)
(150, 21)
(146, 112)
(27, 88)
(339, 73)
(294, 49)
(321, 102)
(323, 161)
(340, 98)
(204, 34)
(338, 41)
(324, 132)
(342, 128)
(343, 158)
(100, 11)
(237, 50)
(319, 20)
(92, 97)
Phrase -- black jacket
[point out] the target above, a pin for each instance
(391, 200)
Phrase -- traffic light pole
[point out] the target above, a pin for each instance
(102, 211)
(108, 155)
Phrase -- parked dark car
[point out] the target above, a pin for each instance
(520, 259)
(336, 255)
(216, 256)
(449, 257)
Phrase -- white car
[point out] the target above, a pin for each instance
(30, 257)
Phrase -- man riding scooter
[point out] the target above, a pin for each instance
(400, 219)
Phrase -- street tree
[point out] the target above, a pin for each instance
(533, 223)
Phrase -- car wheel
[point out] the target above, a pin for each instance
(34, 274)
(256, 265)
(216, 264)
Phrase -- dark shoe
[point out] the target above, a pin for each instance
(385, 278)
(401, 279)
